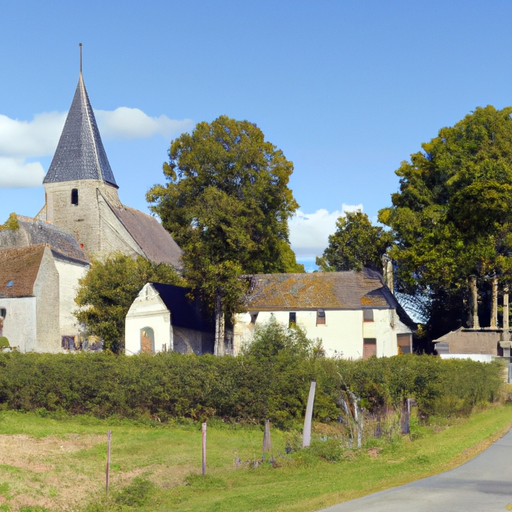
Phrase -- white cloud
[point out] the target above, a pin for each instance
(20, 140)
(309, 232)
(26, 139)
(132, 123)
(14, 172)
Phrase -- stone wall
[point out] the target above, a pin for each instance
(19, 325)
(46, 291)
(69, 275)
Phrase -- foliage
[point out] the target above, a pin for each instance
(227, 205)
(169, 456)
(255, 386)
(355, 244)
(10, 223)
(108, 290)
(136, 493)
(452, 218)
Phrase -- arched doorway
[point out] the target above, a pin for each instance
(147, 340)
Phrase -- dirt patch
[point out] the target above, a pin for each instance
(43, 472)
(374, 452)
(46, 472)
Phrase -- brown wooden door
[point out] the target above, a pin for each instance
(369, 347)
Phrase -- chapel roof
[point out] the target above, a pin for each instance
(185, 312)
(18, 270)
(156, 243)
(80, 154)
(318, 290)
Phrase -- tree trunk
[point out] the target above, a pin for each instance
(494, 306)
(218, 348)
(506, 332)
(474, 302)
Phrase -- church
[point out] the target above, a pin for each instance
(42, 259)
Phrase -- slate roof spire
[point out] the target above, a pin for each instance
(80, 154)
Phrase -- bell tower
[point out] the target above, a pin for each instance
(80, 175)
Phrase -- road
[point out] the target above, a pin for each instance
(483, 484)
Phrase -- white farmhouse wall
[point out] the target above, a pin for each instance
(19, 325)
(342, 334)
(148, 310)
(69, 274)
(383, 330)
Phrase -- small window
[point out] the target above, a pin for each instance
(74, 196)
(254, 317)
(368, 315)
(293, 319)
(3, 312)
(320, 317)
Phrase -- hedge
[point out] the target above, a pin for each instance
(249, 387)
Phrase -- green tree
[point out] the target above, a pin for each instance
(452, 218)
(227, 204)
(357, 243)
(108, 290)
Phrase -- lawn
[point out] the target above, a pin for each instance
(49, 464)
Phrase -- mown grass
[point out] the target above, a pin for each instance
(51, 464)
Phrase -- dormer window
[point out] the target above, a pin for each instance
(320, 317)
(74, 196)
(368, 315)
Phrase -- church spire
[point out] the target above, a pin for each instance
(80, 154)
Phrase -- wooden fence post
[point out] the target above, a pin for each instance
(267, 444)
(203, 436)
(306, 439)
(109, 434)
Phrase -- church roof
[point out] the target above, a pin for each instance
(80, 154)
(62, 243)
(157, 244)
(19, 269)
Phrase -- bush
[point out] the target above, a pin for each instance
(269, 381)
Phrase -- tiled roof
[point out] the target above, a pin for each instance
(184, 312)
(469, 341)
(80, 154)
(157, 244)
(319, 290)
(18, 270)
(40, 232)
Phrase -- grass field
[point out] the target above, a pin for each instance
(48, 464)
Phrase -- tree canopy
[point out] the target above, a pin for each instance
(452, 216)
(108, 290)
(357, 243)
(227, 204)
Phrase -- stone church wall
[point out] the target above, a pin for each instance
(46, 291)
(69, 274)
(114, 236)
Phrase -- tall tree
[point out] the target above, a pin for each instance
(108, 290)
(357, 243)
(227, 204)
(452, 217)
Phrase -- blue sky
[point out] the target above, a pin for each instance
(347, 89)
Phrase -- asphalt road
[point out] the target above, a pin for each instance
(483, 484)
